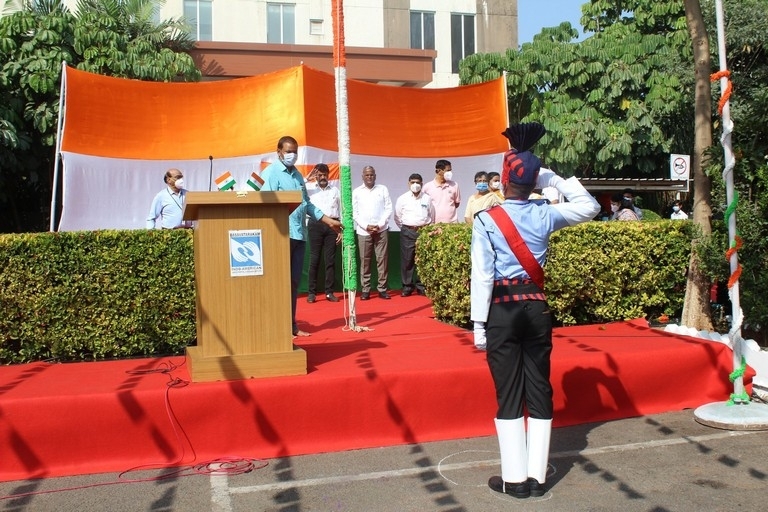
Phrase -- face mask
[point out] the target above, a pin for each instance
(675, 208)
(494, 185)
(482, 186)
(448, 176)
(289, 159)
(614, 208)
(179, 183)
(415, 188)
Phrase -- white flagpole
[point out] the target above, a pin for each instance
(57, 156)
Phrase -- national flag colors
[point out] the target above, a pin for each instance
(255, 181)
(225, 181)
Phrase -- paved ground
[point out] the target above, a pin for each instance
(657, 463)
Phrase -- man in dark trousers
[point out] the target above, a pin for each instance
(511, 317)
(323, 239)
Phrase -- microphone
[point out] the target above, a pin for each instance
(210, 173)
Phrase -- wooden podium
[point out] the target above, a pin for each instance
(243, 286)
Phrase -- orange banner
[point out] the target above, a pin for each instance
(120, 118)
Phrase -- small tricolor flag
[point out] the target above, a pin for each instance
(225, 181)
(255, 181)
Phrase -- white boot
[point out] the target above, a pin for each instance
(511, 434)
(539, 433)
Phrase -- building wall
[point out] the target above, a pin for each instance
(368, 24)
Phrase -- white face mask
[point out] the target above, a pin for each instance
(289, 159)
(675, 208)
(179, 183)
(614, 208)
(494, 185)
(415, 188)
(448, 176)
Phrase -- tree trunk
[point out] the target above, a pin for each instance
(696, 309)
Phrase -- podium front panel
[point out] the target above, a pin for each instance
(248, 314)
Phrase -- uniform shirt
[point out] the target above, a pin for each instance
(328, 199)
(413, 210)
(371, 206)
(167, 206)
(277, 177)
(446, 198)
(492, 258)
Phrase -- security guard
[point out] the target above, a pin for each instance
(511, 317)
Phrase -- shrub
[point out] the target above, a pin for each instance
(95, 295)
(596, 272)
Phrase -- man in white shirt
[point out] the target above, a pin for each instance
(168, 204)
(371, 209)
(322, 239)
(413, 211)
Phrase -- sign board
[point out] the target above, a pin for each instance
(245, 253)
(680, 167)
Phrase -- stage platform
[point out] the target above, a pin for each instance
(409, 379)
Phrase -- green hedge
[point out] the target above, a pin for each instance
(596, 272)
(95, 295)
(115, 294)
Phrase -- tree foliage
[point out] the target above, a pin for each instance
(112, 37)
(618, 102)
(613, 104)
(746, 22)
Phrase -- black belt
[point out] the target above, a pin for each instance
(412, 228)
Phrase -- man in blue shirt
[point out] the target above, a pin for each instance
(508, 306)
(283, 175)
(168, 204)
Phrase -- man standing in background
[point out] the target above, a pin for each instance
(168, 204)
(322, 239)
(371, 210)
(444, 193)
(413, 211)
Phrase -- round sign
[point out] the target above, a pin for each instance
(679, 166)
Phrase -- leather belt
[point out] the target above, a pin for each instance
(412, 228)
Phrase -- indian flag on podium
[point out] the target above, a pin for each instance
(255, 181)
(225, 181)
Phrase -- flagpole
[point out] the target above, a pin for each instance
(738, 413)
(57, 156)
(348, 248)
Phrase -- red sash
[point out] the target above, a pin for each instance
(517, 244)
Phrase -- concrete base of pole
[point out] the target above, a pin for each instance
(749, 416)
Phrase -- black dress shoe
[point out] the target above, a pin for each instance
(365, 295)
(407, 293)
(518, 490)
(537, 489)
(311, 298)
(331, 297)
(420, 291)
(384, 295)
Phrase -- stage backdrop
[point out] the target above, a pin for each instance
(119, 136)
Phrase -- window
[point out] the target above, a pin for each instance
(422, 30)
(462, 38)
(199, 16)
(281, 23)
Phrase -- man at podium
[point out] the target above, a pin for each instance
(283, 175)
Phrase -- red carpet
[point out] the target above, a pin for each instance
(410, 379)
